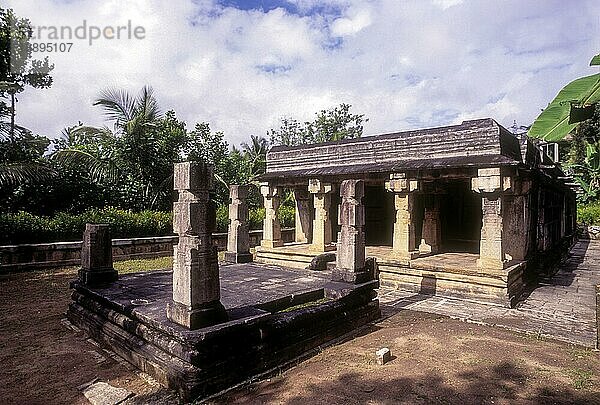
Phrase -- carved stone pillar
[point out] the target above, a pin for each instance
(432, 233)
(490, 184)
(238, 237)
(271, 226)
(516, 220)
(321, 231)
(303, 220)
(196, 289)
(404, 243)
(96, 256)
(350, 265)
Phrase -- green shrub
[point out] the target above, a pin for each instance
(256, 218)
(222, 218)
(286, 216)
(22, 227)
(589, 214)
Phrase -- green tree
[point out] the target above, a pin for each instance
(126, 156)
(17, 68)
(329, 125)
(256, 153)
(584, 156)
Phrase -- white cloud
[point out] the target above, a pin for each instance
(351, 25)
(402, 64)
(444, 4)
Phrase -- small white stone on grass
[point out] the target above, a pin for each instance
(383, 356)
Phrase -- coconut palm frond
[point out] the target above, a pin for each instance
(147, 106)
(21, 172)
(118, 105)
(99, 169)
(5, 130)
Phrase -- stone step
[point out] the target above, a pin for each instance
(284, 258)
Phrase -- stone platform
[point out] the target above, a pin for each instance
(453, 275)
(274, 315)
(294, 255)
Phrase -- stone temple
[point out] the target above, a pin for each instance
(468, 210)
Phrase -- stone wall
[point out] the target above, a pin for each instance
(46, 255)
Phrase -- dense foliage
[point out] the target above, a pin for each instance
(23, 227)
(329, 125)
(589, 214)
(584, 157)
(122, 173)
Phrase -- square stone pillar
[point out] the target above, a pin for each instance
(196, 288)
(489, 183)
(303, 219)
(238, 236)
(351, 255)
(404, 243)
(432, 229)
(516, 220)
(271, 226)
(96, 256)
(491, 252)
(321, 230)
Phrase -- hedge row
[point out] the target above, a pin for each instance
(256, 216)
(589, 214)
(23, 227)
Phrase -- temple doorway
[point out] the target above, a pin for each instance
(460, 211)
(379, 215)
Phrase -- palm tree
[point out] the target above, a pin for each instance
(256, 153)
(20, 170)
(132, 119)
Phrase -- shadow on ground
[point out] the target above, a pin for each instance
(503, 383)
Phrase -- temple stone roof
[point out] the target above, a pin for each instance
(475, 143)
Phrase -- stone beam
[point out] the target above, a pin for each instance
(271, 225)
(196, 289)
(238, 236)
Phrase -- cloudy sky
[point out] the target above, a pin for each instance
(242, 65)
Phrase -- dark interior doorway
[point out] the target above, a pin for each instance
(379, 215)
(460, 211)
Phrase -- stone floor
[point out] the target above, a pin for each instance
(562, 307)
(243, 286)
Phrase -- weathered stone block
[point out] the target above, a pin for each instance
(238, 236)
(190, 218)
(383, 356)
(196, 288)
(96, 255)
(316, 186)
(193, 176)
(271, 225)
(195, 272)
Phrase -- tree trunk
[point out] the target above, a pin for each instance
(12, 116)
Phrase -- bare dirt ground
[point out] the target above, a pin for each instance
(435, 360)
(41, 360)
